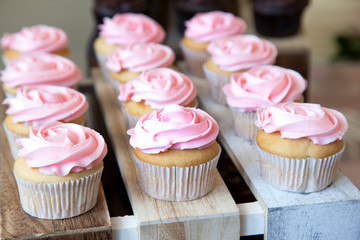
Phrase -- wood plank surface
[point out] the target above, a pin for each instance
(329, 214)
(214, 216)
(15, 223)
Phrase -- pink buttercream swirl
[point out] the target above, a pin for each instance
(37, 105)
(296, 120)
(158, 88)
(60, 148)
(263, 86)
(38, 38)
(210, 26)
(42, 68)
(128, 28)
(140, 57)
(174, 127)
(241, 52)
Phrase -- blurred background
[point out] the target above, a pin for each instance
(323, 22)
(331, 29)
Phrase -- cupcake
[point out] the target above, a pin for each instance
(38, 38)
(40, 68)
(34, 106)
(155, 89)
(260, 87)
(123, 30)
(299, 145)
(126, 63)
(203, 28)
(278, 18)
(59, 171)
(232, 55)
(176, 152)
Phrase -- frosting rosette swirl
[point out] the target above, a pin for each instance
(159, 87)
(263, 86)
(241, 52)
(296, 120)
(37, 105)
(42, 68)
(174, 127)
(210, 26)
(128, 28)
(60, 148)
(140, 57)
(38, 38)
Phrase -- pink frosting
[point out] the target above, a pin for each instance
(37, 105)
(42, 68)
(210, 26)
(140, 57)
(60, 148)
(158, 88)
(130, 28)
(263, 86)
(38, 38)
(242, 52)
(174, 127)
(296, 120)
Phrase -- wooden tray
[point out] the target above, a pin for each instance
(328, 214)
(15, 223)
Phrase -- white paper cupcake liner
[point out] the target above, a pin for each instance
(59, 200)
(5, 61)
(130, 120)
(194, 60)
(244, 124)
(101, 60)
(216, 84)
(298, 175)
(9, 95)
(12, 137)
(177, 183)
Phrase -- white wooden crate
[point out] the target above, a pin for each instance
(333, 213)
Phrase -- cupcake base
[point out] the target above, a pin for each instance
(130, 120)
(12, 137)
(298, 175)
(4, 61)
(59, 200)
(216, 84)
(194, 60)
(177, 183)
(101, 60)
(244, 124)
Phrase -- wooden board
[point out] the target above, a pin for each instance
(215, 216)
(333, 213)
(15, 223)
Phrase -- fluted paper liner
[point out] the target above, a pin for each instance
(101, 60)
(216, 84)
(298, 175)
(59, 200)
(244, 124)
(194, 60)
(130, 120)
(5, 61)
(177, 183)
(12, 137)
